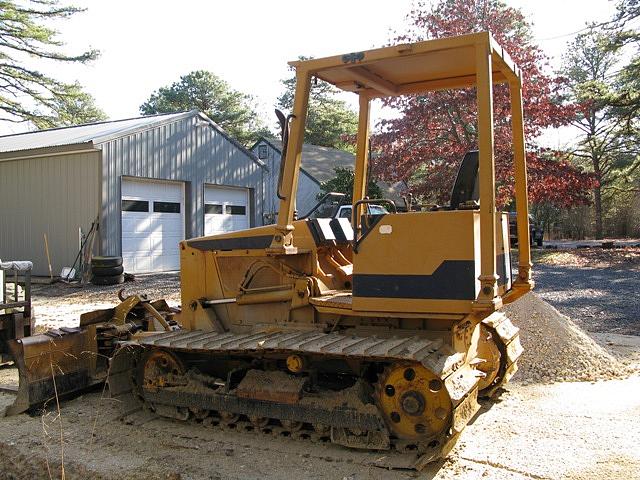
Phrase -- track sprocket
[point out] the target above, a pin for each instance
(414, 402)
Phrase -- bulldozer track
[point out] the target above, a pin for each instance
(346, 425)
(400, 455)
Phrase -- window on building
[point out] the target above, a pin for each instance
(213, 209)
(135, 206)
(262, 152)
(235, 210)
(166, 207)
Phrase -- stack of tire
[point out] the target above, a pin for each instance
(107, 271)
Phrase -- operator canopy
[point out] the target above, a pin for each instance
(415, 67)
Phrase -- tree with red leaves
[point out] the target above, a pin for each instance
(426, 143)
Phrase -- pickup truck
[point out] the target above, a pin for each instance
(331, 206)
(535, 232)
(344, 211)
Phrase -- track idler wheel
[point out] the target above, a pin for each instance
(414, 402)
(498, 351)
(489, 353)
(162, 369)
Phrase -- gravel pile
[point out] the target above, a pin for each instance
(555, 349)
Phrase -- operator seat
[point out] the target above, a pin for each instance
(465, 188)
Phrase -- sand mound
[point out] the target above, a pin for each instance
(555, 349)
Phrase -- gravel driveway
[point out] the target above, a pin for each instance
(597, 299)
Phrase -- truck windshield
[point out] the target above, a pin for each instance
(345, 213)
(377, 210)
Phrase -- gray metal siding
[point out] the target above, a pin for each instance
(54, 195)
(308, 189)
(307, 196)
(188, 150)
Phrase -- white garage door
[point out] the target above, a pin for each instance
(152, 225)
(226, 209)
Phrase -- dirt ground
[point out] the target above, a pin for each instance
(566, 430)
(571, 430)
(60, 304)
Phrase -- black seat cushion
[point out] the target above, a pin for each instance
(465, 189)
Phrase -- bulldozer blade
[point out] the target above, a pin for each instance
(52, 365)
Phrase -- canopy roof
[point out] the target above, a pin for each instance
(413, 68)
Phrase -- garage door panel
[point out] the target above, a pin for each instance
(135, 263)
(149, 242)
(226, 209)
(136, 227)
(166, 225)
(220, 194)
(219, 223)
(223, 223)
(150, 239)
(171, 243)
(152, 224)
(152, 190)
(133, 244)
(166, 244)
(239, 223)
(163, 263)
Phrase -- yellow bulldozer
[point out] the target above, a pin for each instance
(378, 333)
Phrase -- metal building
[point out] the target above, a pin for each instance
(151, 182)
(268, 150)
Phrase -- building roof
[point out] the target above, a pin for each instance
(320, 164)
(92, 134)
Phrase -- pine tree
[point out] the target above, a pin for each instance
(26, 93)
